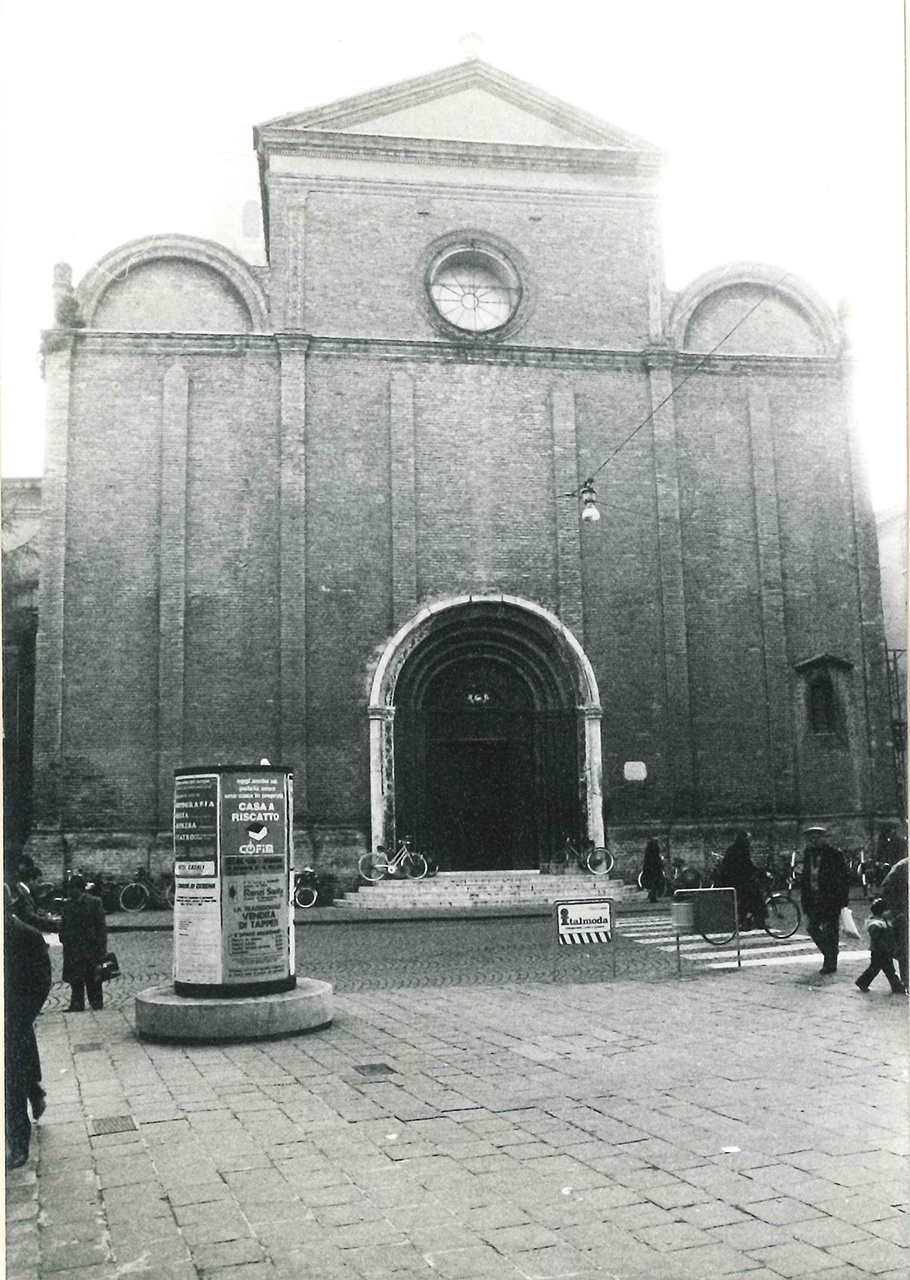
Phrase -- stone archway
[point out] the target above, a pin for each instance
(485, 734)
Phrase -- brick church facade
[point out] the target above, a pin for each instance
(322, 511)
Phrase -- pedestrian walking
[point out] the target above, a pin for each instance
(894, 895)
(736, 870)
(27, 982)
(881, 949)
(652, 870)
(83, 933)
(25, 907)
(825, 888)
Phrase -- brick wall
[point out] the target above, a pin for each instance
(584, 263)
(358, 465)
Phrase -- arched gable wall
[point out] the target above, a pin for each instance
(790, 318)
(197, 265)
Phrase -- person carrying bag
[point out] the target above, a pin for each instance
(83, 934)
(825, 891)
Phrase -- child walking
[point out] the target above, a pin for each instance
(882, 951)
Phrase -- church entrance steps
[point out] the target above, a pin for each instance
(469, 889)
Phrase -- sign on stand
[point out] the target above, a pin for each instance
(585, 921)
(233, 859)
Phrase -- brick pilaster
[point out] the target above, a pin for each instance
(680, 753)
(879, 797)
(49, 684)
(779, 727)
(403, 499)
(292, 729)
(172, 584)
(568, 535)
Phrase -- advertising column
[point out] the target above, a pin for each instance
(233, 925)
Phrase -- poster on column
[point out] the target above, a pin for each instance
(197, 907)
(195, 824)
(254, 876)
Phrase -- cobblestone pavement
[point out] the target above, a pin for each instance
(648, 1127)
(368, 956)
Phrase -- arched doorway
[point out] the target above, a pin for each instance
(485, 735)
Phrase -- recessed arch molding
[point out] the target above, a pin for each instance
(786, 286)
(540, 651)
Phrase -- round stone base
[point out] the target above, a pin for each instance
(163, 1015)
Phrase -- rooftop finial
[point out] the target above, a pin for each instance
(470, 44)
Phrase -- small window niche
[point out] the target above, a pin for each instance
(825, 690)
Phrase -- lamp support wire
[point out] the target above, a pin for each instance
(691, 374)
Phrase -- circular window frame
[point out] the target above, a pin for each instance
(504, 259)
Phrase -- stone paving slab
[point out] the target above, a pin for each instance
(662, 1130)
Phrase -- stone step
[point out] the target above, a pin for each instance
(475, 889)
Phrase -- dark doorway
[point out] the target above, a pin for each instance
(480, 802)
(483, 777)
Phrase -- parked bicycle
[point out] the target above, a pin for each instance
(145, 893)
(306, 887)
(595, 858)
(783, 876)
(404, 862)
(868, 872)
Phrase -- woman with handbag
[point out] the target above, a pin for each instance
(83, 935)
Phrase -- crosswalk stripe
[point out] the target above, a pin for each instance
(746, 940)
(775, 947)
(849, 957)
(757, 948)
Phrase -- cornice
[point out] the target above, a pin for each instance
(421, 190)
(441, 352)
(472, 353)
(449, 152)
(816, 366)
(104, 340)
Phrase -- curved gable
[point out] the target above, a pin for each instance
(173, 284)
(747, 309)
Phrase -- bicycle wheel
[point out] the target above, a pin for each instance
(305, 895)
(719, 939)
(414, 866)
(599, 860)
(134, 897)
(782, 916)
(373, 866)
(170, 894)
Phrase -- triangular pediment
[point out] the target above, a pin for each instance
(470, 102)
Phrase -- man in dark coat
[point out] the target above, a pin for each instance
(83, 933)
(27, 981)
(825, 889)
(27, 876)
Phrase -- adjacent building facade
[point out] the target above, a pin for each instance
(326, 511)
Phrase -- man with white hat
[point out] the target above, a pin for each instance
(825, 889)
